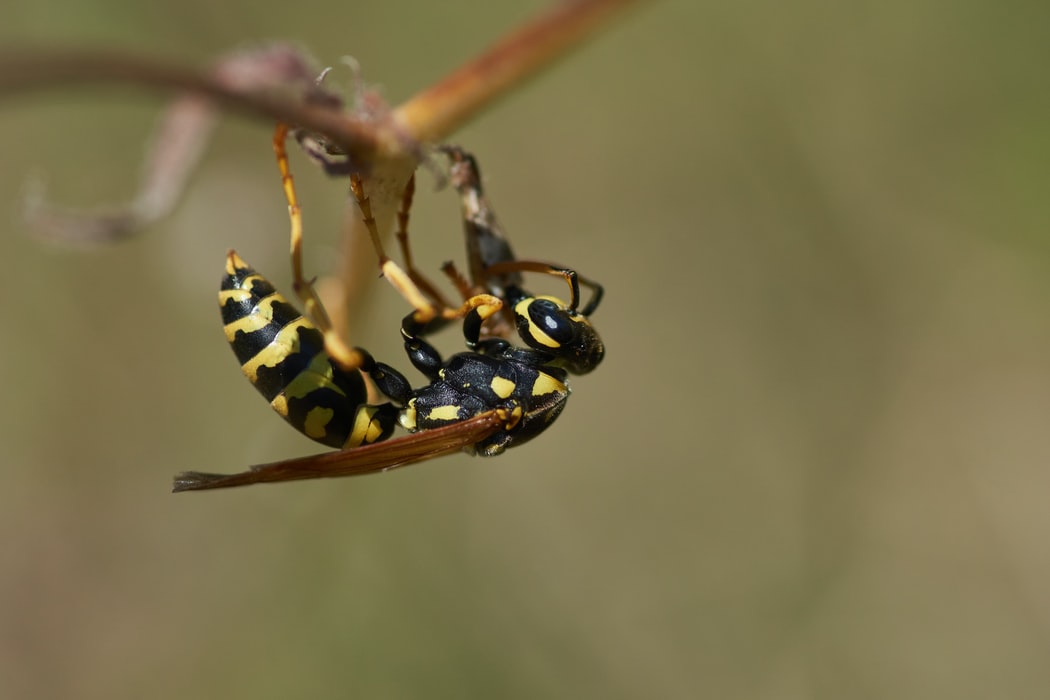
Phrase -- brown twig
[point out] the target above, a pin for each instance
(435, 113)
(28, 70)
(431, 115)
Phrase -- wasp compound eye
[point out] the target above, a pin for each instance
(547, 325)
(552, 320)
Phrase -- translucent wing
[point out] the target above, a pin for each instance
(367, 459)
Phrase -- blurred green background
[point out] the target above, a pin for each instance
(814, 464)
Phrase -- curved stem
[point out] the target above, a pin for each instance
(445, 106)
(26, 70)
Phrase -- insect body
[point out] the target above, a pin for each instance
(483, 401)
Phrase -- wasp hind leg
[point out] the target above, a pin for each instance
(346, 357)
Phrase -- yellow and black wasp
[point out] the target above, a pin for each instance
(494, 396)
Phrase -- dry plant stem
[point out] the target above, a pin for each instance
(438, 111)
(25, 70)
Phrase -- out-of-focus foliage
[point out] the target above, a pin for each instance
(814, 464)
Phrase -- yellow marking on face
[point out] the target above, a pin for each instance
(522, 310)
(502, 387)
(286, 343)
(546, 384)
(450, 412)
(317, 419)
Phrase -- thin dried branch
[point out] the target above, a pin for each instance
(32, 70)
(175, 149)
(177, 144)
(438, 111)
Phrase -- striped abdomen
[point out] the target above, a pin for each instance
(282, 353)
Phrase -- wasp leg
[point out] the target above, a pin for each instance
(426, 310)
(484, 307)
(461, 283)
(571, 277)
(303, 288)
(348, 358)
(420, 280)
(476, 311)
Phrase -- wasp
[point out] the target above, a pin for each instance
(483, 401)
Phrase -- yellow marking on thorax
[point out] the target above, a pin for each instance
(502, 387)
(450, 412)
(546, 384)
